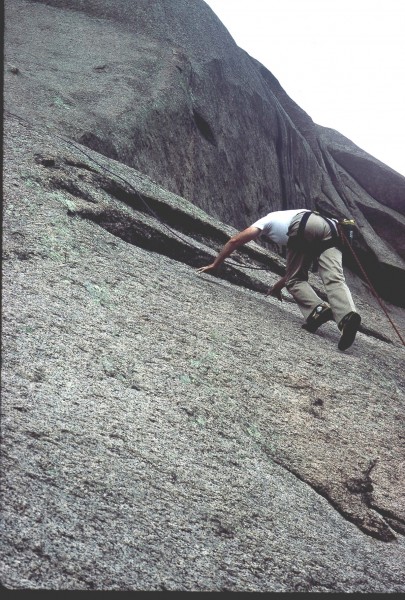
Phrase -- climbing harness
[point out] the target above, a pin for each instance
(315, 248)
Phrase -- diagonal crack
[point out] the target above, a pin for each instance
(373, 523)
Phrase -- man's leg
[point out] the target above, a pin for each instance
(339, 296)
(297, 282)
(298, 264)
(331, 273)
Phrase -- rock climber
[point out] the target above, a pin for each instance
(307, 235)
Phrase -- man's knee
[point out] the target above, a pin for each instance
(335, 277)
(293, 281)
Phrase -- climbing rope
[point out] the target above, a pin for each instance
(346, 241)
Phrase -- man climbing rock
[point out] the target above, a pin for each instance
(307, 235)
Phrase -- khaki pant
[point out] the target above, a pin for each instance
(329, 268)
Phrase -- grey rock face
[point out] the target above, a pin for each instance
(164, 88)
(163, 430)
(168, 431)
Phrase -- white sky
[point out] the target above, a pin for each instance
(342, 61)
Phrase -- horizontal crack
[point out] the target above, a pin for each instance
(149, 238)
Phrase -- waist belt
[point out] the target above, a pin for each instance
(316, 247)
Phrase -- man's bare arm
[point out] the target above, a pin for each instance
(243, 237)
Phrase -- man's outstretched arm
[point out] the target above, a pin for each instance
(243, 237)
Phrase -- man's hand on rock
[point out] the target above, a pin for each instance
(207, 268)
(275, 291)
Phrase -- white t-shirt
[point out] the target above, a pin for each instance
(275, 225)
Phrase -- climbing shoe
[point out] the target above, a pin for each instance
(318, 317)
(349, 326)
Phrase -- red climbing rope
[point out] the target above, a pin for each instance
(346, 241)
